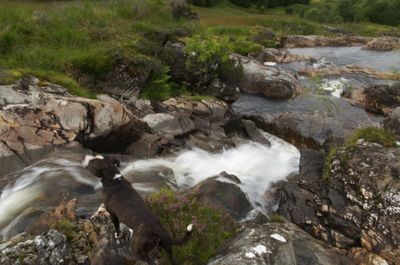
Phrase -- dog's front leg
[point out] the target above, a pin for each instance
(115, 221)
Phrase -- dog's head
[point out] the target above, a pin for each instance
(105, 168)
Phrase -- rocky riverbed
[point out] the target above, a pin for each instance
(288, 207)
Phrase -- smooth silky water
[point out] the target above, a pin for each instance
(35, 189)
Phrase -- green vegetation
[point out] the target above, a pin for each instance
(211, 226)
(375, 135)
(66, 227)
(326, 175)
(81, 41)
(276, 218)
(78, 43)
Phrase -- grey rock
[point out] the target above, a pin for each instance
(271, 81)
(224, 195)
(276, 244)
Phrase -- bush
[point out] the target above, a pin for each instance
(211, 226)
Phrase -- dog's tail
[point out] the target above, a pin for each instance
(185, 239)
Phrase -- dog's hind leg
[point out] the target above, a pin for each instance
(115, 221)
(171, 258)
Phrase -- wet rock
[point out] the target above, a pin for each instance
(245, 129)
(383, 44)
(224, 195)
(305, 130)
(393, 121)
(270, 81)
(278, 56)
(355, 205)
(382, 98)
(293, 41)
(274, 243)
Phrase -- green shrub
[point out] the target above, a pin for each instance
(66, 227)
(211, 226)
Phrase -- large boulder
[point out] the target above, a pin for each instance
(305, 130)
(355, 205)
(224, 195)
(276, 244)
(393, 121)
(293, 41)
(271, 81)
(382, 98)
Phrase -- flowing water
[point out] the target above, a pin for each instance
(344, 56)
(341, 56)
(42, 186)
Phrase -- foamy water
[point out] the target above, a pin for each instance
(41, 186)
(256, 165)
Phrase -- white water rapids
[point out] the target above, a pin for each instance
(256, 165)
(41, 186)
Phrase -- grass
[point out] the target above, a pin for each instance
(276, 218)
(211, 226)
(79, 42)
(225, 14)
(371, 134)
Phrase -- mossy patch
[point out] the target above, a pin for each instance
(211, 226)
(373, 135)
(66, 227)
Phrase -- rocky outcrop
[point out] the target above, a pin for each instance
(383, 44)
(393, 121)
(293, 41)
(276, 243)
(89, 241)
(381, 99)
(271, 81)
(47, 249)
(278, 56)
(37, 117)
(356, 204)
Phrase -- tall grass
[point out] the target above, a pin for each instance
(79, 37)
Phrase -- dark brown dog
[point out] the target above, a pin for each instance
(125, 204)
